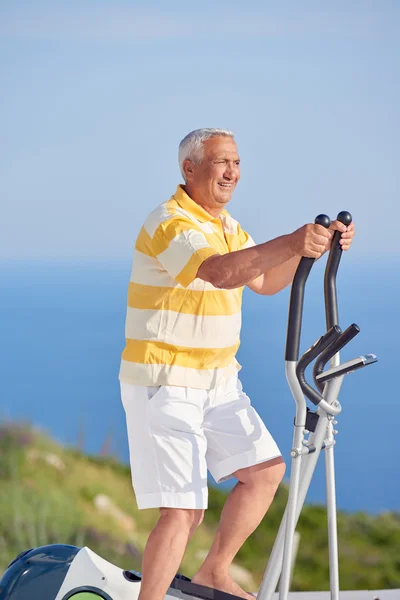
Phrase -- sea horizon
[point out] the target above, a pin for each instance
(63, 334)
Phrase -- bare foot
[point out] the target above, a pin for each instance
(221, 582)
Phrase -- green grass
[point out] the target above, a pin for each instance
(40, 504)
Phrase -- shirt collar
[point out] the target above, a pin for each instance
(192, 207)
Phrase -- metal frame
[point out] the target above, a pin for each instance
(306, 451)
(303, 467)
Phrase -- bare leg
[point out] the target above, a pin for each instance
(244, 509)
(164, 550)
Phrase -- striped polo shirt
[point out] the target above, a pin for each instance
(181, 330)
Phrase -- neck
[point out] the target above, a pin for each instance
(214, 211)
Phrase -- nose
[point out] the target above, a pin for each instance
(230, 171)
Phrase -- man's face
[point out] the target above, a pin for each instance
(213, 180)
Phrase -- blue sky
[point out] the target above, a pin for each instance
(96, 95)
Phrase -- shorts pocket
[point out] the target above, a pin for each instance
(153, 391)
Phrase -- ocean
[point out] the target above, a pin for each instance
(62, 333)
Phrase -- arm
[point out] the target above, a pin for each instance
(277, 278)
(240, 268)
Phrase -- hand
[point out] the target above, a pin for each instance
(312, 240)
(347, 233)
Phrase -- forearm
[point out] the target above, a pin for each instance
(277, 278)
(237, 269)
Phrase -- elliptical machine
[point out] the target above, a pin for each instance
(318, 424)
(61, 572)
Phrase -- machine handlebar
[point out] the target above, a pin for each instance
(321, 346)
(334, 340)
(297, 299)
(332, 265)
(328, 352)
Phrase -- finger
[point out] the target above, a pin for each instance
(312, 254)
(320, 240)
(338, 226)
(347, 235)
(320, 230)
(318, 248)
(345, 245)
(312, 249)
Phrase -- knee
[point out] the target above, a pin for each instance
(277, 473)
(265, 475)
(183, 519)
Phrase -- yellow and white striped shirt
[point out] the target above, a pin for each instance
(181, 330)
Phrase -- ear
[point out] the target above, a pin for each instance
(188, 169)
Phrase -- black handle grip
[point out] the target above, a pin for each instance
(297, 300)
(337, 345)
(323, 220)
(332, 265)
(323, 344)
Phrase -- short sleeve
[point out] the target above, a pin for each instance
(181, 248)
(245, 239)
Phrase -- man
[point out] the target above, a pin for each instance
(185, 407)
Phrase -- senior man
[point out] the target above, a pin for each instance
(185, 407)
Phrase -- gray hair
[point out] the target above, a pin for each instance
(191, 147)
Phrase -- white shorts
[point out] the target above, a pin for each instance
(176, 433)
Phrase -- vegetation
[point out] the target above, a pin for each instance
(53, 494)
